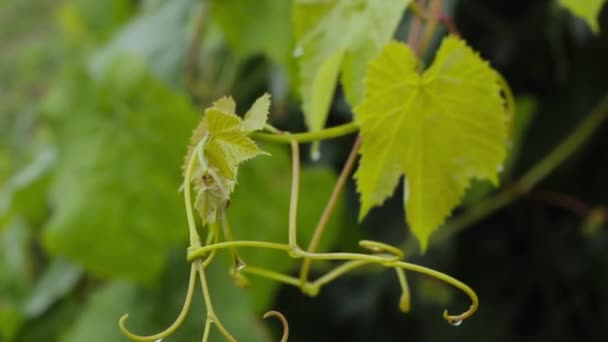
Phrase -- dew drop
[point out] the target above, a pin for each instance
(298, 52)
(455, 322)
(315, 155)
(240, 264)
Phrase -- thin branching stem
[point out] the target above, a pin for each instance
(327, 133)
(295, 192)
(329, 208)
(171, 329)
(283, 320)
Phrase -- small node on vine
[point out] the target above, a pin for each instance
(310, 289)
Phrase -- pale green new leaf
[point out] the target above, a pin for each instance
(225, 104)
(219, 145)
(257, 115)
(588, 10)
(440, 129)
(218, 121)
(339, 36)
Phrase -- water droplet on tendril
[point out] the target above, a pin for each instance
(240, 264)
(455, 322)
(315, 155)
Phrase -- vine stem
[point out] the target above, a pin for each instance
(327, 133)
(295, 192)
(211, 316)
(173, 327)
(537, 173)
(329, 209)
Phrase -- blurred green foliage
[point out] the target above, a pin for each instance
(96, 108)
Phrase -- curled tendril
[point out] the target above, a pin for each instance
(453, 319)
(283, 323)
(171, 329)
(379, 247)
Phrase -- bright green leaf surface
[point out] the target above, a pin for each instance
(588, 10)
(116, 209)
(440, 128)
(257, 115)
(259, 211)
(334, 36)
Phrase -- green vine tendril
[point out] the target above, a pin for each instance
(200, 256)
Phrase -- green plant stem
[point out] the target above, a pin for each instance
(236, 258)
(283, 320)
(280, 277)
(194, 238)
(173, 327)
(295, 192)
(537, 173)
(211, 316)
(338, 271)
(198, 252)
(328, 133)
(329, 209)
(405, 300)
(207, 330)
(386, 260)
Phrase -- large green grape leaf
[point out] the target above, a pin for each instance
(440, 128)
(588, 10)
(115, 203)
(334, 36)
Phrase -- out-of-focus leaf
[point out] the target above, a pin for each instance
(158, 36)
(588, 10)
(267, 32)
(116, 209)
(59, 279)
(87, 21)
(22, 192)
(259, 211)
(15, 279)
(152, 310)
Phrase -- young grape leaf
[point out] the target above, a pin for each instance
(588, 10)
(257, 115)
(334, 36)
(440, 128)
(219, 145)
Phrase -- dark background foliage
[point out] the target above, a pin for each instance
(95, 112)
